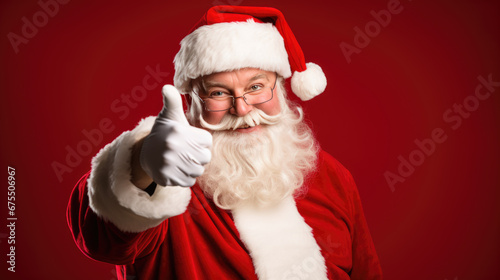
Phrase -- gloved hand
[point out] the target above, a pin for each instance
(174, 153)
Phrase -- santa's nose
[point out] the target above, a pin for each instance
(240, 107)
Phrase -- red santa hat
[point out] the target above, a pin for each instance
(233, 37)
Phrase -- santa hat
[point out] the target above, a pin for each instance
(233, 37)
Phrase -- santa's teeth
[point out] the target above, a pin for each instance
(242, 127)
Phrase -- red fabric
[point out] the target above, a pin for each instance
(203, 242)
(219, 14)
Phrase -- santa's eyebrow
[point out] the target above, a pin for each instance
(210, 84)
(259, 76)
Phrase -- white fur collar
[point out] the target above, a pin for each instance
(280, 242)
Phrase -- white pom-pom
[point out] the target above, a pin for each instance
(309, 83)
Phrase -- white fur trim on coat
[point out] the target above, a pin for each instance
(229, 46)
(309, 83)
(280, 242)
(113, 197)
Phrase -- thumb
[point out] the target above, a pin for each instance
(172, 105)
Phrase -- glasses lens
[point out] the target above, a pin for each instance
(218, 104)
(259, 96)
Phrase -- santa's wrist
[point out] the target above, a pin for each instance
(138, 176)
(151, 188)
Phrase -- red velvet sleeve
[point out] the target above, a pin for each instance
(365, 262)
(103, 241)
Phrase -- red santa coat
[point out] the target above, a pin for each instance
(204, 241)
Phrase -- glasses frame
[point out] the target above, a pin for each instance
(242, 96)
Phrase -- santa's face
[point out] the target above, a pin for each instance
(264, 165)
(236, 83)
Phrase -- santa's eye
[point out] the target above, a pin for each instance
(218, 94)
(255, 87)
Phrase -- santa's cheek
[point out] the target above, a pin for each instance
(213, 117)
(271, 108)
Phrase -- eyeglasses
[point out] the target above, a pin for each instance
(222, 101)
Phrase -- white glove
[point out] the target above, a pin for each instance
(174, 153)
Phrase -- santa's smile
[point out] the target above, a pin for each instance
(247, 129)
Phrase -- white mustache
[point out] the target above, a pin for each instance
(231, 122)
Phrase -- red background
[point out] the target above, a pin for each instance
(442, 222)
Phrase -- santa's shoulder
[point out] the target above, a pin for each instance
(330, 178)
(331, 166)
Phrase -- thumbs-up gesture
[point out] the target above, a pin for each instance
(174, 153)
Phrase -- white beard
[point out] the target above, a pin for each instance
(260, 167)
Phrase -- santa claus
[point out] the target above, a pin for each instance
(237, 187)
